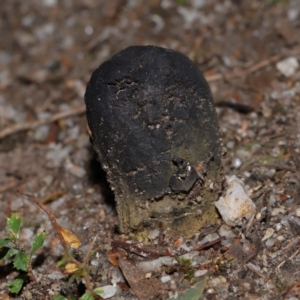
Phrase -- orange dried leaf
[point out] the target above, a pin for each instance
(113, 256)
(70, 238)
(178, 242)
(71, 268)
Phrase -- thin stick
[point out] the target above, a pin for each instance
(255, 269)
(207, 245)
(87, 255)
(51, 217)
(262, 64)
(8, 186)
(147, 252)
(32, 125)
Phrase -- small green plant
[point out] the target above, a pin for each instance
(186, 266)
(180, 2)
(72, 266)
(273, 2)
(11, 249)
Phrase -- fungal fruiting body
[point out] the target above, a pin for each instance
(153, 123)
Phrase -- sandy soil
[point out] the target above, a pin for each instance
(249, 52)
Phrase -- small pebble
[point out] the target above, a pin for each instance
(108, 291)
(226, 231)
(230, 145)
(278, 226)
(280, 238)
(57, 154)
(44, 31)
(236, 162)
(200, 273)
(293, 14)
(153, 234)
(217, 281)
(49, 3)
(165, 279)
(297, 211)
(211, 237)
(48, 180)
(288, 66)
(242, 154)
(278, 210)
(268, 234)
(76, 170)
(294, 223)
(41, 133)
(269, 243)
(27, 295)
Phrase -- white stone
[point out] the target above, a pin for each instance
(269, 232)
(165, 279)
(153, 234)
(236, 204)
(200, 273)
(49, 3)
(288, 66)
(108, 291)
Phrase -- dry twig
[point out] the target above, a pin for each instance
(262, 64)
(212, 243)
(8, 186)
(143, 251)
(32, 125)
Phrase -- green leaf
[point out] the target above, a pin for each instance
(16, 285)
(60, 297)
(11, 252)
(98, 291)
(61, 263)
(194, 293)
(37, 243)
(21, 261)
(14, 224)
(5, 241)
(86, 296)
(3, 252)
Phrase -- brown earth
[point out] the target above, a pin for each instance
(48, 51)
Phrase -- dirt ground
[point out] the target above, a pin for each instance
(249, 52)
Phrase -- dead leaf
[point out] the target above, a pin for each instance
(71, 268)
(70, 238)
(144, 288)
(178, 243)
(114, 254)
(4, 297)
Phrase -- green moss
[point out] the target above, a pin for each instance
(186, 268)
(180, 2)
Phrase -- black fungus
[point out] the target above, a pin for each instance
(152, 122)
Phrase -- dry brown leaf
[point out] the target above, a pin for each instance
(71, 268)
(113, 256)
(4, 297)
(70, 238)
(144, 288)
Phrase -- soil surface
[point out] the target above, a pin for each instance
(249, 52)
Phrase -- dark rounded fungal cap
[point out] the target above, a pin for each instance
(152, 122)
